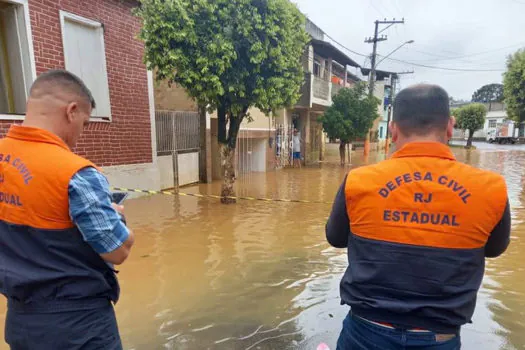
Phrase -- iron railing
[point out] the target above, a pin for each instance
(177, 131)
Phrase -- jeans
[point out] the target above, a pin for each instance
(87, 330)
(359, 334)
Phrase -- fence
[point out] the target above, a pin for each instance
(178, 136)
(177, 131)
(284, 145)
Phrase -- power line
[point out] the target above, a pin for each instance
(344, 47)
(429, 66)
(444, 68)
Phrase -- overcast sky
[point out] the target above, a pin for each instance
(482, 33)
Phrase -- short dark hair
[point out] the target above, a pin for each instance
(421, 109)
(64, 80)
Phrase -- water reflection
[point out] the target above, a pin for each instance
(260, 275)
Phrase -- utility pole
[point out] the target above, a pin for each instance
(372, 77)
(393, 80)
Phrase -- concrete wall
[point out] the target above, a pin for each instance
(188, 168)
(137, 176)
(260, 120)
(173, 98)
(165, 165)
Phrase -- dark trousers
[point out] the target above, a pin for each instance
(75, 330)
(359, 334)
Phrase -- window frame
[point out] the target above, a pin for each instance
(64, 15)
(25, 8)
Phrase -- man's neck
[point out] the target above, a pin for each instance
(41, 122)
(412, 139)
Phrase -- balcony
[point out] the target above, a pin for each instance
(321, 89)
(336, 88)
(318, 91)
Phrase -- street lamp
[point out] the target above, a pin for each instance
(400, 46)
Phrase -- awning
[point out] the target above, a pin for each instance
(325, 49)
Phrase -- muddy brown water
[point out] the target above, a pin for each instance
(260, 275)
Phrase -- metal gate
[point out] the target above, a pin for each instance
(284, 145)
(178, 135)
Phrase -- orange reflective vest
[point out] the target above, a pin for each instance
(45, 262)
(419, 223)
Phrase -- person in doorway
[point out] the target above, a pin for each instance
(60, 235)
(296, 148)
(418, 228)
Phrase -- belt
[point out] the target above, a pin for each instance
(391, 326)
(52, 306)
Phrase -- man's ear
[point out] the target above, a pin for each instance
(450, 127)
(394, 131)
(71, 110)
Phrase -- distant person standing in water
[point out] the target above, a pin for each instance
(296, 148)
(418, 228)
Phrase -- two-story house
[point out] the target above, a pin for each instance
(326, 71)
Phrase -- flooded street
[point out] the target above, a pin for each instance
(260, 275)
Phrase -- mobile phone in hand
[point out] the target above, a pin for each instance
(119, 197)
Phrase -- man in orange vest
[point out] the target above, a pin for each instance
(418, 228)
(59, 232)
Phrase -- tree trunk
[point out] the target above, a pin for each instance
(349, 147)
(227, 146)
(228, 171)
(469, 140)
(342, 152)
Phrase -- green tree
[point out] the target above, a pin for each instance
(488, 94)
(351, 116)
(472, 118)
(230, 56)
(514, 86)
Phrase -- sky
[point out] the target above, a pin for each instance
(454, 34)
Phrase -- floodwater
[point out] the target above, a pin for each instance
(259, 275)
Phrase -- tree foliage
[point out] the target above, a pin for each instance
(514, 86)
(470, 117)
(229, 55)
(351, 115)
(489, 93)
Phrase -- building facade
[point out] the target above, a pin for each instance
(326, 71)
(97, 41)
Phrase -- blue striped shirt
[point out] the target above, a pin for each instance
(91, 211)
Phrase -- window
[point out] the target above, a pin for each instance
(317, 68)
(16, 61)
(492, 123)
(85, 56)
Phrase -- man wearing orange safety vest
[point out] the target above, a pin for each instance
(59, 232)
(418, 228)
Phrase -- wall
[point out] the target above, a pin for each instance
(173, 98)
(127, 139)
(188, 168)
(165, 165)
(141, 176)
(260, 120)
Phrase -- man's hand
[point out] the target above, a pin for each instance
(118, 208)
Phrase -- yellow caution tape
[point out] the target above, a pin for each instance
(198, 195)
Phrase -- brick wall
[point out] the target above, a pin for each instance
(127, 139)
